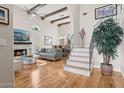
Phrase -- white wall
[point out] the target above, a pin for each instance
(87, 22)
(6, 52)
(49, 29)
(75, 24)
(121, 47)
(63, 30)
(25, 22)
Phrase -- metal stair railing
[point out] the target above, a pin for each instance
(91, 47)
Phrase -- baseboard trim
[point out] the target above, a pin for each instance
(114, 69)
(7, 85)
(122, 73)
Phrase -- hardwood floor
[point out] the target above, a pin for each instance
(52, 75)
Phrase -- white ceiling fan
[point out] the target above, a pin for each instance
(33, 11)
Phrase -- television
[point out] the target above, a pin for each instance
(21, 35)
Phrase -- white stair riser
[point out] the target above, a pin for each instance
(81, 49)
(77, 71)
(77, 64)
(79, 58)
(80, 54)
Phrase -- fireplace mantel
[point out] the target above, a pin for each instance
(22, 46)
(24, 43)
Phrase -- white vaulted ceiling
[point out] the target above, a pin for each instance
(25, 6)
(50, 8)
(47, 9)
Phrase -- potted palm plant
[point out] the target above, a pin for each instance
(107, 36)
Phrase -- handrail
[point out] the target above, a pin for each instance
(91, 51)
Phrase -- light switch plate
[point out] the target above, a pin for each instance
(3, 42)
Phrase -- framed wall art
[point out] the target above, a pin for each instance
(48, 40)
(4, 15)
(106, 11)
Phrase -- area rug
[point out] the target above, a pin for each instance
(41, 62)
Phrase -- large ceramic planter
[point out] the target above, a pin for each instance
(106, 69)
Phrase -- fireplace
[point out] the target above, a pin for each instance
(20, 52)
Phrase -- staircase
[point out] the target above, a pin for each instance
(80, 59)
(79, 62)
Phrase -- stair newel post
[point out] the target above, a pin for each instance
(91, 51)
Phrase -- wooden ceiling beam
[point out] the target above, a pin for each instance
(59, 19)
(55, 12)
(63, 23)
(34, 9)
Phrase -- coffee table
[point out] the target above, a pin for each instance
(30, 59)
